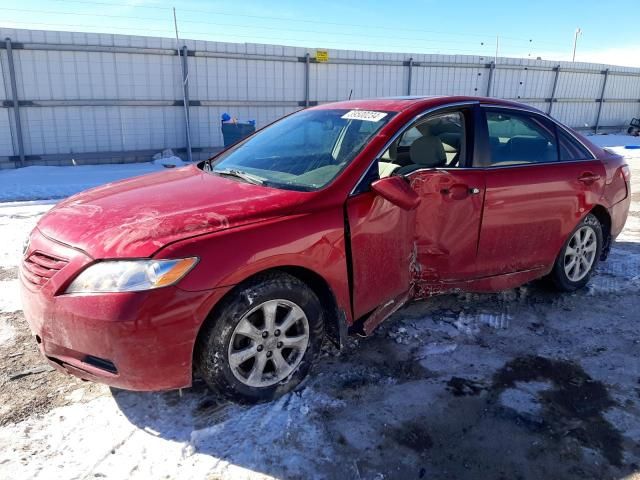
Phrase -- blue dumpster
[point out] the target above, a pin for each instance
(233, 132)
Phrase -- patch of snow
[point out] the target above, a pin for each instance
(96, 438)
(625, 144)
(524, 399)
(7, 332)
(618, 140)
(37, 183)
(625, 421)
(469, 323)
(16, 221)
(9, 296)
(168, 159)
(170, 162)
(76, 395)
(402, 336)
(436, 349)
(620, 274)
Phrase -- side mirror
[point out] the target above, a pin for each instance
(397, 191)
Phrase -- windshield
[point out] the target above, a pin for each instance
(304, 151)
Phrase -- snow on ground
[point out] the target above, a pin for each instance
(522, 384)
(36, 183)
(620, 141)
(169, 161)
(7, 332)
(17, 219)
(9, 296)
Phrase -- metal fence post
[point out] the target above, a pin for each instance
(492, 67)
(14, 96)
(604, 86)
(307, 72)
(185, 86)
(410, 65)
(553, 89)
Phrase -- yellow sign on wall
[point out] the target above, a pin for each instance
(322, 56)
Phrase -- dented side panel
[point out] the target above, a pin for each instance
(381, 247)
(448, 223)
(313, 241)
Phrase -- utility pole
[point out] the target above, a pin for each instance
(182, 56)
(497, 46)
(575, 42)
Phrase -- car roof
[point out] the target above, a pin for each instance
(398, 104)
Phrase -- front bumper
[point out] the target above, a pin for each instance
(133, 340)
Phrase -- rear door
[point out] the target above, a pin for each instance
(536, 191)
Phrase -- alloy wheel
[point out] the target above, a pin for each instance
(580, 253)
(268, 343)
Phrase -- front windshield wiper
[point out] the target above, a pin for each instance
(247, 177)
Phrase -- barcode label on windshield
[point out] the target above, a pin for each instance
(366, 115)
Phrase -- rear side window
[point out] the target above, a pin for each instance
(570, 149)
(520, 139)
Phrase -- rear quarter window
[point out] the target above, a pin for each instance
(570, 149)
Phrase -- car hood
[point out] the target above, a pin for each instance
(136, 217)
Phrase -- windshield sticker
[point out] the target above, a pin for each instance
(366, 115)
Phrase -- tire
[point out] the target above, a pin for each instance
(567, 278)
(230, 353)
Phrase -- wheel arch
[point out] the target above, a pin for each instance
(336, 324)
(335, 320)
(603, 216)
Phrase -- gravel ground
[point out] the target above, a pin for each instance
(523, 384)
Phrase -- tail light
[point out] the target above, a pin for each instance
(626, 172)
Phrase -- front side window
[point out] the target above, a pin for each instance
(436, 142)
(520, 139)
(304, 151)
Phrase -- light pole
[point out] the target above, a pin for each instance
(575, 42)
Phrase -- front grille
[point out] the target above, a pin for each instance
(39, 267)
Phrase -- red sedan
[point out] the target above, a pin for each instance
(325, 222)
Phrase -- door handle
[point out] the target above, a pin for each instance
(472, 191)
(459, 191)
(588, 178)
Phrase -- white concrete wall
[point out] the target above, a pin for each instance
(256, 88)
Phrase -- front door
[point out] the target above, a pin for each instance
(448, 223)
(380, 234)
(396, 251)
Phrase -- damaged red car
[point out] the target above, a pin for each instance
(325, 222)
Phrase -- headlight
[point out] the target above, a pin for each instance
(130, 275)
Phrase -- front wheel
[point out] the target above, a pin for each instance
(264, 340)
(579, 256)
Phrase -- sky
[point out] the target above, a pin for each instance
(531, 29)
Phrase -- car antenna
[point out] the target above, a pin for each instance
(350, 93)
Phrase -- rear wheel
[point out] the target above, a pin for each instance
(263, 340)
(579, 256)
